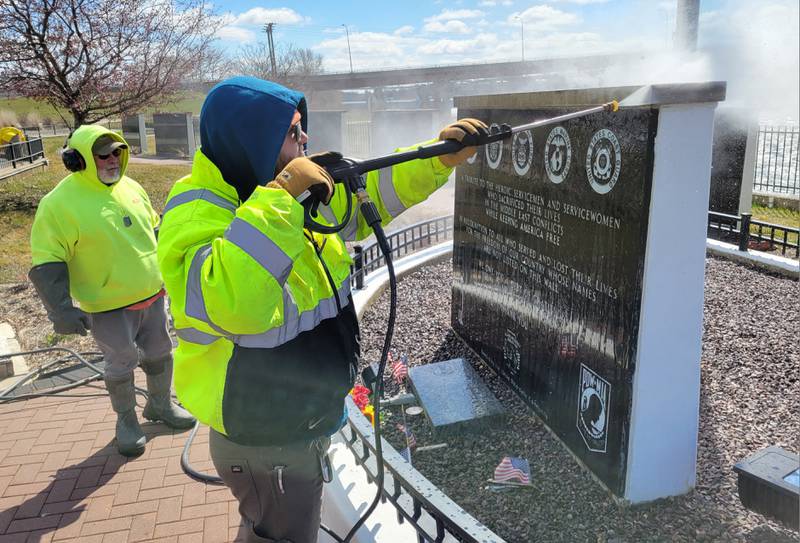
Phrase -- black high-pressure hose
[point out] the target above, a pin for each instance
(83, 358)
(383, 243)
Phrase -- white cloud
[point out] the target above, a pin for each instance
(493, 3)
(543, 18)
(370, 50)
(403, 30)
(236, 33)
(260, 16)
(449, 27)
(245, 27)
(478, 44)
(449, 15)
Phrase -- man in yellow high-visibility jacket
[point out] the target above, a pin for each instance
(268, 338)
(93, 239)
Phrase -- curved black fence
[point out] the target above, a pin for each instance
(747, 233)
(423, 234)
(433, 515)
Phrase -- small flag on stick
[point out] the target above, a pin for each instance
(411, 441)
(399, 369)
(513, 469)
(569, 345)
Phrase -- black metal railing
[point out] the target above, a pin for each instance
(417, 501)
(20, 154)
(747, 233)
(776, 168)
(407, 240)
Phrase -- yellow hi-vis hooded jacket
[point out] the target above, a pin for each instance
(268, 345)
(104, 233)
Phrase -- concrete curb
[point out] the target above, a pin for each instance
(9, 344)
(778, 264)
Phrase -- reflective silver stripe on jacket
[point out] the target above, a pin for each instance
(193, 335)
(260, 248)
(327, 212)
(389, 196)
(293, 323)
(199, 194)
(195, 303)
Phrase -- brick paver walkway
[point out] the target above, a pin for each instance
(61, 478)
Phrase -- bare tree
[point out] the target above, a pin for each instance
(292, 63)
(97, 58)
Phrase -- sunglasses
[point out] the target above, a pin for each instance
(115, 152)
(296, 131)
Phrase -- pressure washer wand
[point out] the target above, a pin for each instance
(611, 107)
(352, 168)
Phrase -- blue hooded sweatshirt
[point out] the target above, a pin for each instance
(243, 124)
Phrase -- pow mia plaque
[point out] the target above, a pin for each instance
(594, 393)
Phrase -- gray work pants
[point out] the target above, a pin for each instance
(122, 333)
(279, 488)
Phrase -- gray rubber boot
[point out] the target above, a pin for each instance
(130, 437)
(159, 404)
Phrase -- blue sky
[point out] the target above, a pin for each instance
(413, 33)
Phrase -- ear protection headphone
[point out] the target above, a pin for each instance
(72, 159)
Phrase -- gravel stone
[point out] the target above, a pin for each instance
(750, 398)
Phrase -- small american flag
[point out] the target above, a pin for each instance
(399, 369)
(569, 347)
(411, 441)
(513, 467)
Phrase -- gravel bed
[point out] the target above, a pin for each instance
(750, 399)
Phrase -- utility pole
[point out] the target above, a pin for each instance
(687, 20)
(268, 29)
(349, 53)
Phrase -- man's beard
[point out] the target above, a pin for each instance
(109, 179)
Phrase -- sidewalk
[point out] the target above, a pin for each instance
(61, 478)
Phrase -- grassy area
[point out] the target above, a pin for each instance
(777, 215)
(20, 195)
(22, 107)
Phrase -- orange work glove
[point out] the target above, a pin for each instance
(465, 131)
(302, 174)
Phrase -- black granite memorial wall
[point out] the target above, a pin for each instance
(728, 159)
(548, 255)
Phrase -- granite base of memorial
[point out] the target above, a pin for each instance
(454, 397)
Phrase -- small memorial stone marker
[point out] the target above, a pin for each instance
(454, 396)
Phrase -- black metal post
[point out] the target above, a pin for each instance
(744, 231)
(359, 266)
